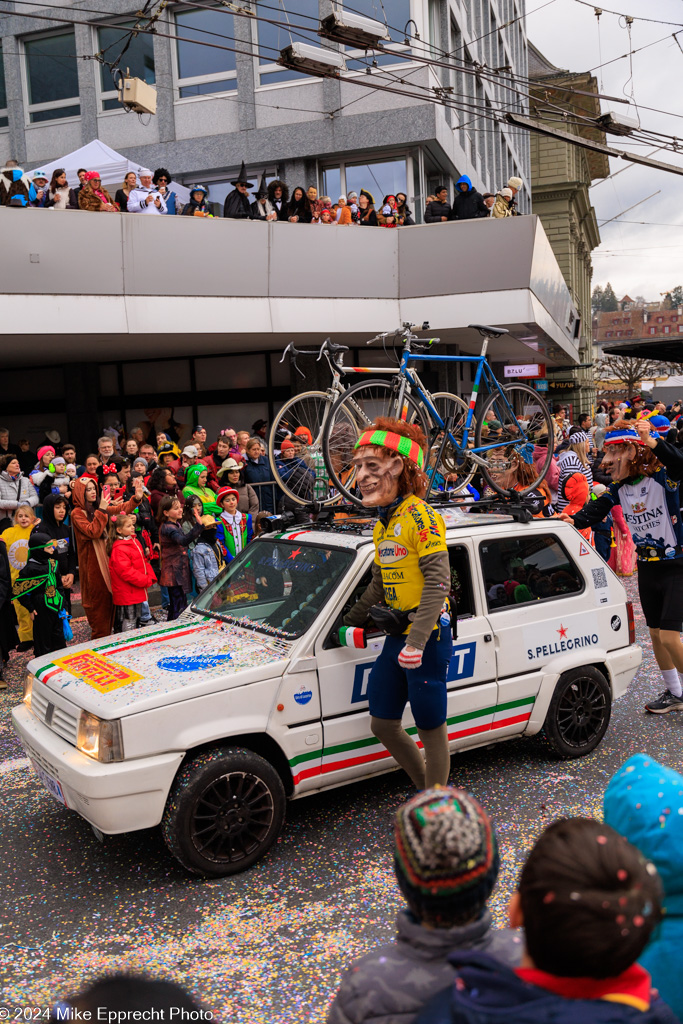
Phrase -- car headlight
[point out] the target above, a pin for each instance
(28, 689)
(100, 738)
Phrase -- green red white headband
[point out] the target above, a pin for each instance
(396, 442)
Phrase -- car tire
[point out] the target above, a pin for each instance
(578, 714)
(224, 812)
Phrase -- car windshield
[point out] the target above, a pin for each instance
(275, 586)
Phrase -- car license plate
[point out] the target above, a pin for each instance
(51, 785)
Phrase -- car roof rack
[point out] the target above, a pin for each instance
(350, 518)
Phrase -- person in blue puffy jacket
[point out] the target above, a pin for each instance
(589, 902)
(644, 801)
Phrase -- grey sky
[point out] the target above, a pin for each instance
(636, 258)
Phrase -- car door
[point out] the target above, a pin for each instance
(536, 602)
(471, 679)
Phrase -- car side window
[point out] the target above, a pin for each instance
(461, 581)
(523, 570)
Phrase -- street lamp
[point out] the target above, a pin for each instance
(312, 60)
(354, 30)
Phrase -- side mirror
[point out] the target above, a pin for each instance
(352, 636)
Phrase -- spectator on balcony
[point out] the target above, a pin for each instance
(388, 215)
(501, 206)
(405, 214)
(122, 195)
(74, 193)
(58, 190)
(438, 211)
(299, 208)
(162, 178)
(198, 205)
(92, 197)
(237, 205)
(489, 202)
(352, 200)
(258, 207)
(315, 203)
(367, 215)
(38, 192)
(13, 182)
(514, 184)
(341, 212)
(326, 217)
(146, 198)
(468, 203)
(277, 200)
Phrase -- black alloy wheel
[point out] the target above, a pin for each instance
(225, 810)
(579, 713)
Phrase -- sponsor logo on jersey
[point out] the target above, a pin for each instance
(391, 552)
(392, 575)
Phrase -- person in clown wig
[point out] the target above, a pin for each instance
(645, 473)
(407, 599)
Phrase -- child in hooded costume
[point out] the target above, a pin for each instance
(9, 638)
(39, 589)
(16, 540)
(55, 511)
(90, 518)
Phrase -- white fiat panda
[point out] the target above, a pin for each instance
(207, 725)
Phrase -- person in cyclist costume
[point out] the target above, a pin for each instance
(407, 599)
(645, 473)
(512, 472)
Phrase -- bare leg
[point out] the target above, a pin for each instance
(404, 751)
(437, 755)
(661, 653)
(670, 644)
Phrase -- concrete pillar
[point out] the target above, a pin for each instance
(15, 98)
(245, 74)
(87, 69)
(82, 391)
(163, 74)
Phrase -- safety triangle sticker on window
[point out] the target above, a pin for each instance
(583, 550)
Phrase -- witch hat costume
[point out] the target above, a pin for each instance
(237, 205)
(242, 178)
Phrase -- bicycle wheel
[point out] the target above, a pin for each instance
(308, 410)
(454, 463)
(353, 412)
(525, 426)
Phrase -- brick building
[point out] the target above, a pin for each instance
(636, 325)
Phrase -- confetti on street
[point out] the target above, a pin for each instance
(267, 945)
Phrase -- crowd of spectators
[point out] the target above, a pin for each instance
(187, 511)
(153, 193)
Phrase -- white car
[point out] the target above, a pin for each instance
(209, 724)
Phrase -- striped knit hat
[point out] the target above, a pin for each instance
(445, 856)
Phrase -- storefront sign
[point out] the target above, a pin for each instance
(561, 385)
(541, 385)
(524, 370)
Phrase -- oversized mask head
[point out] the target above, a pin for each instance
(618, 460)
(377, 475)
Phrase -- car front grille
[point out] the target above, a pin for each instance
(61, 720)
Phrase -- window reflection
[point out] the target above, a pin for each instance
(386, 177)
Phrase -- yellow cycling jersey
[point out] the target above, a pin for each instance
(413, 531)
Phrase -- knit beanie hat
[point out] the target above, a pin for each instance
(445, 856)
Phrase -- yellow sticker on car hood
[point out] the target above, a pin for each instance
(97, 671)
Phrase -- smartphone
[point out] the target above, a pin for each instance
(106, 491)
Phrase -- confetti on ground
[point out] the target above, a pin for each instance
(268, 945)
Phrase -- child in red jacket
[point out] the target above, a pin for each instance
(130, 572)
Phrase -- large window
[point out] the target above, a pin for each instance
(522, 570)
(380, 178)
(395, 16)
(51, 77)
(298, 23)
(204, 69)
(138, 59)
(3, 93)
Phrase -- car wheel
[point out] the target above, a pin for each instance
(224, 812)
(579, 713)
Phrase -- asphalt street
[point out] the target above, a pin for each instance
(267, 945)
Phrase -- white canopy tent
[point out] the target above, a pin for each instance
(98, 156)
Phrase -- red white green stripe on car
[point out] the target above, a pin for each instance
(365, 751)
(47, 671)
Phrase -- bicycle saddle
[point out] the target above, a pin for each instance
(489, 332)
